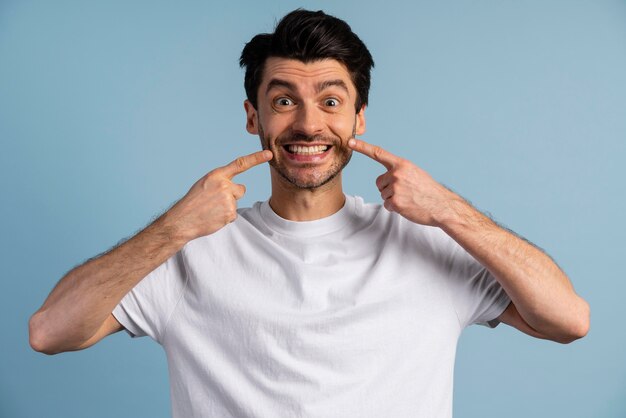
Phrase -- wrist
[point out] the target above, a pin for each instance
(170, 231)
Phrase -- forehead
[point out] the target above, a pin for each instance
(303, 74)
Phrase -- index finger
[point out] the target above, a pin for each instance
(241, 164)
(374, 152)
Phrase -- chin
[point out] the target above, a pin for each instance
(310, 181)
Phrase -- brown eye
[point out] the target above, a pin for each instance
(283, 101)
(331, 102)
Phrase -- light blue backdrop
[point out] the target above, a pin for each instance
(111, 110)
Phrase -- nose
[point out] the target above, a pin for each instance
(308, 120)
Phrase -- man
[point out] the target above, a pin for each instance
(312, 303)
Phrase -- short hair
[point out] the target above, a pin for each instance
(308, 36)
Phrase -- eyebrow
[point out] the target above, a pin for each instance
(332, 83)
(277, 82)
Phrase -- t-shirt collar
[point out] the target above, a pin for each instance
(322, 226)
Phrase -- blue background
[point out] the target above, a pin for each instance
(110, 111)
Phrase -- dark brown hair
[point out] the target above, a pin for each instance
(308, 36)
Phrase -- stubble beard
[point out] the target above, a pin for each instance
(317, 179)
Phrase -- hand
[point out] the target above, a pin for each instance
(211, 203)
(407, 189)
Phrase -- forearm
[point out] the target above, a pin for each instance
(540, 291)
(79, 305)
(85, 296)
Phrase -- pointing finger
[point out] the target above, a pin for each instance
(374, 152)
(242, 164)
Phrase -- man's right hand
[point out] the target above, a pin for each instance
(211, 203)
(77, 313)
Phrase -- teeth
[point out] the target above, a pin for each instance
(299, 149)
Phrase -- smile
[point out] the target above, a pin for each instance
(306, 150)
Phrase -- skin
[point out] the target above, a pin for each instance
(309, 104)
(77, 313)
(544, 303)
(306, 104)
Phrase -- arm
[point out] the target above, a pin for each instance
(77, 313)
(544, 303)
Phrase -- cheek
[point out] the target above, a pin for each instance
(343, 127)
(275, 126)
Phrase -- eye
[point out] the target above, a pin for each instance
(331, 102)
(283, 101)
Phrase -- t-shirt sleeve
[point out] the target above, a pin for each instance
(477, 296)
(146, 309)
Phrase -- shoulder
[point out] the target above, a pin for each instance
(408, 233)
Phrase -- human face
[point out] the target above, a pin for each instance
(306, 115)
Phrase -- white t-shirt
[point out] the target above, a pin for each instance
(353, 315)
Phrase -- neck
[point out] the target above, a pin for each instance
(295, 204)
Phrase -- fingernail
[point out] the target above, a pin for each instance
(351, 142)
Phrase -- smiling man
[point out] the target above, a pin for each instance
(305, 113)
(312, 303)
(322, 87)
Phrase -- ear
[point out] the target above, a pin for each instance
(359, 128)
(252, 118)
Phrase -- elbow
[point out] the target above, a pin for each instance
(38, 337)
(580, 324)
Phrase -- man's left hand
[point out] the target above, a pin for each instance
(409, 190)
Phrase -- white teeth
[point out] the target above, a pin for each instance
(315, 149)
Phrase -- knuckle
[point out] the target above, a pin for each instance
(223, 185)
(215, 173)
(227, 213)
(240, 163)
